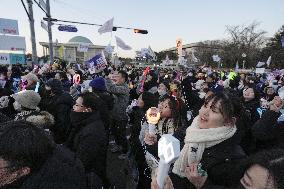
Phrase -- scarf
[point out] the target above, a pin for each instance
(196, 141)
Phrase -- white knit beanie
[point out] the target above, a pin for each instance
(28, 99)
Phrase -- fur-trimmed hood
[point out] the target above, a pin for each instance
(43, 120)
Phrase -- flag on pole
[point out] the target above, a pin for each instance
(106, 27)
(237, 66)
(260, 64)
(152, 53)
(144, 52)
(122, 44)
(268, 61)
(97, 64)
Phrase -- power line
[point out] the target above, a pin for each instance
(86, 23)
(81, 10)
(26, 9)
(40, 7)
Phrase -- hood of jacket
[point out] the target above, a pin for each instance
(43, 120)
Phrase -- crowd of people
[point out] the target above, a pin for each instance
(57, 123)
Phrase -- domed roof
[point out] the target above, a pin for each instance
(80, 39)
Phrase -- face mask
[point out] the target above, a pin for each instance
(2, 83)
(17, 106)
(162, 92)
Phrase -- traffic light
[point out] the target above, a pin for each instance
(140, 31)
(114, 28)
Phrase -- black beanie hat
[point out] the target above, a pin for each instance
(55, 85)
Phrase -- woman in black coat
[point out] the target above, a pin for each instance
(251, 100)
(211, 140)
(145, 101)
(251, 103)
(59, 104)
(88, 136)
(262, 170)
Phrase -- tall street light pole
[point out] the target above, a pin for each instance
(49, 23)
(32, 28)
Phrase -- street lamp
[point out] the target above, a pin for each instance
(244, 56)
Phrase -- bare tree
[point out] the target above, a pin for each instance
(244, 39)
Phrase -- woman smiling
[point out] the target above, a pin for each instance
(211, 146)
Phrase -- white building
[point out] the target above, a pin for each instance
(69, 51)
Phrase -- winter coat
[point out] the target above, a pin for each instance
(179, 134)
(121, 94)
(137, 151)
(151, 86)
(60, 107)
(251, 110)
(245, 124)
(7, 109)
(43, 119)
(24, 114)
(107, 103)
(223, 163)
(192, 100)
(66, 84)
(247, 141)
(266, 130)
(60, 171)
(88, 140)
(106, 97)
(4, 118)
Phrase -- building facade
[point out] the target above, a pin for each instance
(77, 49)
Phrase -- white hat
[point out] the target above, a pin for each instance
(28, 99)
(31, 77)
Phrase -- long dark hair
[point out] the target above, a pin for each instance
(91, 101)
(150, 100)
(255, 90)
(230, 105)
(175, 106)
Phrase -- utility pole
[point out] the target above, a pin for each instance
(32, 28)
(49, 23)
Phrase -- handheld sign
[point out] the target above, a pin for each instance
(168, 152)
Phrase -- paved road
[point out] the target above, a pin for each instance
(119, 173)
(116, 171)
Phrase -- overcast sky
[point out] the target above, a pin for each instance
(166, 20)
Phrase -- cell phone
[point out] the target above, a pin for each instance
(200, 171)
